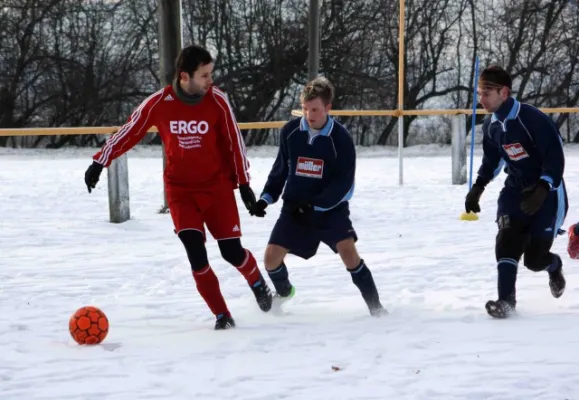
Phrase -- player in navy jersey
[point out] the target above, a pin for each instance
(315, 168)
(533, 204)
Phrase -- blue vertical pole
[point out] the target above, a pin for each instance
(474, 102)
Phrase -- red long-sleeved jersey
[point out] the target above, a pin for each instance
(203, 144)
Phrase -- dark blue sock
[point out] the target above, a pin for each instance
(280, 280)
(555, 264)
(362, 278)
(507, 269)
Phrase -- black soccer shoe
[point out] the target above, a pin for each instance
(500, 308)
(224, 322)
(262, 294)
(557, 282)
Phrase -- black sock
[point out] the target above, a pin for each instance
(362, 278)
(507, 269)
(279, 278)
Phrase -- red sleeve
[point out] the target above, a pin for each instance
(233, 137)
(130, 133)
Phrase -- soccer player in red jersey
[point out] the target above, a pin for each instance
(205, 161)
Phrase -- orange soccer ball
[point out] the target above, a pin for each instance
(88, 325)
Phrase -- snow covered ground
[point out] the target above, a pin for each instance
(434, 272)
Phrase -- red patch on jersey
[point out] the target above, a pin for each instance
(310, 167)
(515, 151)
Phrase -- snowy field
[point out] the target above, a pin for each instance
(434, 272)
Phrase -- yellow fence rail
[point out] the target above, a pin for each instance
(100, 130)
(398, 113)
(104, 130)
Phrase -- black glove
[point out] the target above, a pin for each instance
(247, 196)
(258, 209)
(92, 175)
(301, 211)
(533, 197)
(471, 202)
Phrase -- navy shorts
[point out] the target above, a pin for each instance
(546, 222)
(302, 238)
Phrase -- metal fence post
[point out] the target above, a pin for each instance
(170, 44)
(314, 39)
(458, 141)
(118, 177)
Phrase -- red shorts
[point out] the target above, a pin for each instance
(213, 207)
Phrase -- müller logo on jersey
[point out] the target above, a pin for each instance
(310, 167)
(515, 151)
(188, 127)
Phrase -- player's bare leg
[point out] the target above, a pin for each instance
(274, 256)
(361, 276)
(349, 253)
(277, 270)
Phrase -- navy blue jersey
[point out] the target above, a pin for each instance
(316, 167)
(526, 141)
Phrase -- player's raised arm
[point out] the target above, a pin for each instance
(124, 139)
(130, 133)
(236, 143)
(341, 188)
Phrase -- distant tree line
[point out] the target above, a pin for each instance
(89, 63)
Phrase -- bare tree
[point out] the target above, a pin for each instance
(21, 66)
(89, 63)
(259, 50)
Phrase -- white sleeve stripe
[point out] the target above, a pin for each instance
(240, 144)
(105, 155)
(127, 127)
(230, 140)
(135, 117)
(240, 141)
(103, 159)
(224, 96)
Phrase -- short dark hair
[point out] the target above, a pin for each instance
(190, 58)
(495, 77)
(318, 87)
